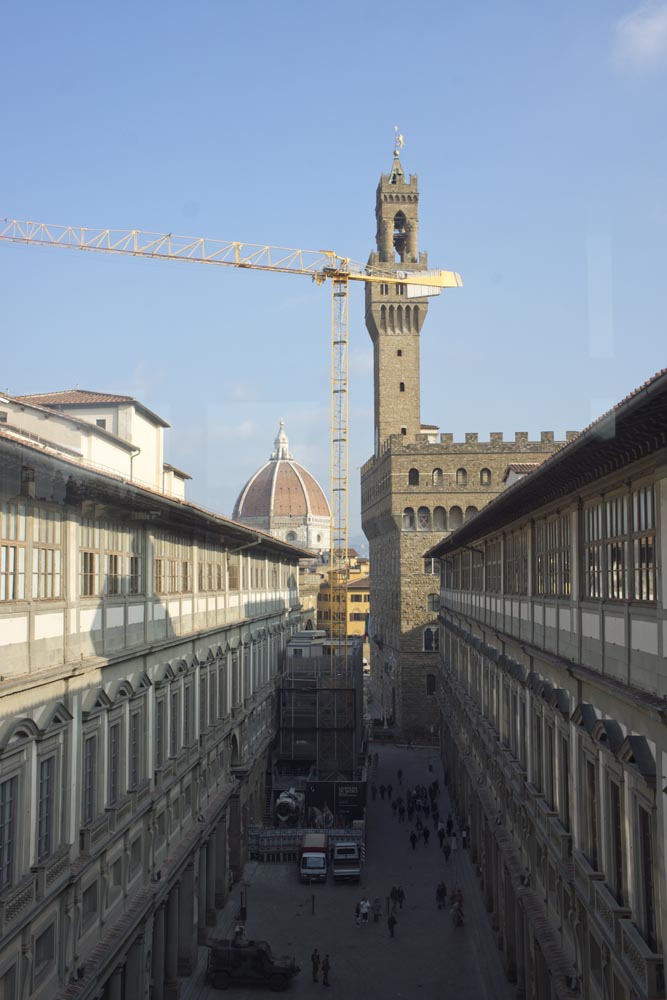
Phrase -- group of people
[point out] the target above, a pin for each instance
(421, 807)
(325, 965)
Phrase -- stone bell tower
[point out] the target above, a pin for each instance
(393, 320)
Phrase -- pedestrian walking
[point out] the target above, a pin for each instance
(441, 895)
(447, 850)
(426, 833)
(377, 910)
(400, 776)
(464, 838)
(374, 791)
(357, 914)
(401, 813)
(393, 895)
(441, 833)
(450, 825)
(413, 840)
(418, 805)
(326, 969)
(391, 923)
(419, 826)
(394, 806)
(315, 959)
(401, 897)
(382, 791)
(365, 909)
(388, 791)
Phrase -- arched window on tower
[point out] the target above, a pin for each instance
(391, 320)
(413, 477)
(401, 386)
(440, 519)
(455, 517)
(437, 477)
(461, 477)
(470, 512)
(400, 235)
(424, 519)
(485, 477)
(408, 519)
(408, 319)
(383, 318)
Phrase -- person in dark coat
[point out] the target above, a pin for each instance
(391, 923)
(315, 959)
(401, 896)
(413, 840)
(374, 791)
(326, 969)
(388, 791)
(426, 833)
(382, 791)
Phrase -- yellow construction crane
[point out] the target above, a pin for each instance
(321, 266)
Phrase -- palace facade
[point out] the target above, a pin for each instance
(141, 642)
(552, 695)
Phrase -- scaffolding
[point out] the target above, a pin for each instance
(321, 714)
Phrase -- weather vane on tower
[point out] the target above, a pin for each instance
(399, 141)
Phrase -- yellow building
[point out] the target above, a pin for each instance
(357, 602)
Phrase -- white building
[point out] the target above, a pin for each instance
(552, 696)
(141, 638)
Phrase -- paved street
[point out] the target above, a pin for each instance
(429, 957)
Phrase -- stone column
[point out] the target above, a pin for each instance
(158, 952)
(171, 988)
(114, 987)
(520, 953)
(134, 970)
(201, 898)
(221, 863)
(234, 836)
(187, 927)
(210, 880)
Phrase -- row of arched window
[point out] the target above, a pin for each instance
(437, 477)
(440, 520)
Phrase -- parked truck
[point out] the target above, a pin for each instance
(346, 861)
(314, 857)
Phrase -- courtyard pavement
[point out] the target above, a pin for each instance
(428, 959)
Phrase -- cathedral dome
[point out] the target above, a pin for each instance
(284, 499)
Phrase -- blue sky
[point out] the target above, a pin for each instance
(538, 133)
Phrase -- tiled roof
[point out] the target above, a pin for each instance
(85, 397)
(73, 396)
(281, 489)
(522, 467)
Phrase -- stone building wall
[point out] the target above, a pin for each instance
(401, 666)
